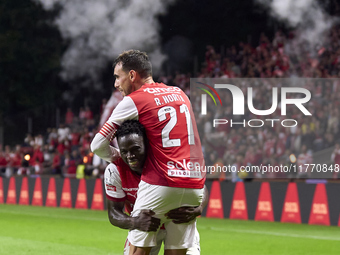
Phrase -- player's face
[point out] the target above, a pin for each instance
(123, 81)
(133, 151)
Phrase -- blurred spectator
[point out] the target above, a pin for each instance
(69, 116)
(3, 162)
(39, 140)
(88, 113)
(53, 138)
(28, 141)
(37, 156)
(74, 138)
(69, 168)
(17, 158)
(269, 145)
(303, 161)
(47, 162)
(37, 167)
(85, 140)
(335, 159)
(63, 132)
(108, 107)
(25, 168)
(333, 121)
(308, 138)
(82, 114)
(73, 161)
(56, 162)
(98, 166)
(237, 174)
(62, 146)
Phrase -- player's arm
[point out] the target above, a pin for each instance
(186, 214)
(204, 200)
(100, 144)
(143, 222)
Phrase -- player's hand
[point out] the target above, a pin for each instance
(145, 222)
(184, 214)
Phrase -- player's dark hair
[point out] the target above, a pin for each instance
(129, 127)
(134, 60)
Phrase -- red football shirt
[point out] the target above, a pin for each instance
(175, 157)
(121, 184)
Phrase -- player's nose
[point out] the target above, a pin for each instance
(130, 155)
(116, 85)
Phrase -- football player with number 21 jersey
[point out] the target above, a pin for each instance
(172, 175)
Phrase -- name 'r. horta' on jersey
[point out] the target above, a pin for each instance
(168, 98)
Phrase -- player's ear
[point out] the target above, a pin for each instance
(132, 75)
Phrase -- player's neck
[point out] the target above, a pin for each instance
(140, 82)
(148, 80)
(137, 171)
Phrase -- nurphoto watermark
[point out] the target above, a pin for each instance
(268, 128)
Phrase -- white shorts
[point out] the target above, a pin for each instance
(161, 200)
(194, 250)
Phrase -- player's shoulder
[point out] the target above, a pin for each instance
(111, 171)
(126, 101)
(126, 109)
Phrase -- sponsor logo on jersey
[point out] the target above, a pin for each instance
(184, 173)
(110, 171)
(110, 187)
(184, 165)
(132, 195)
(129, 189)
(162, 90)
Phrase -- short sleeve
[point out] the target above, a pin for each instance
(125, 110)
(113, 184)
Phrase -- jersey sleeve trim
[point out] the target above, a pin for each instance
(108, 130)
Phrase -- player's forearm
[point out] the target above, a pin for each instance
(204, 203)
(101, 147)
(205, 197)
(121, 220)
